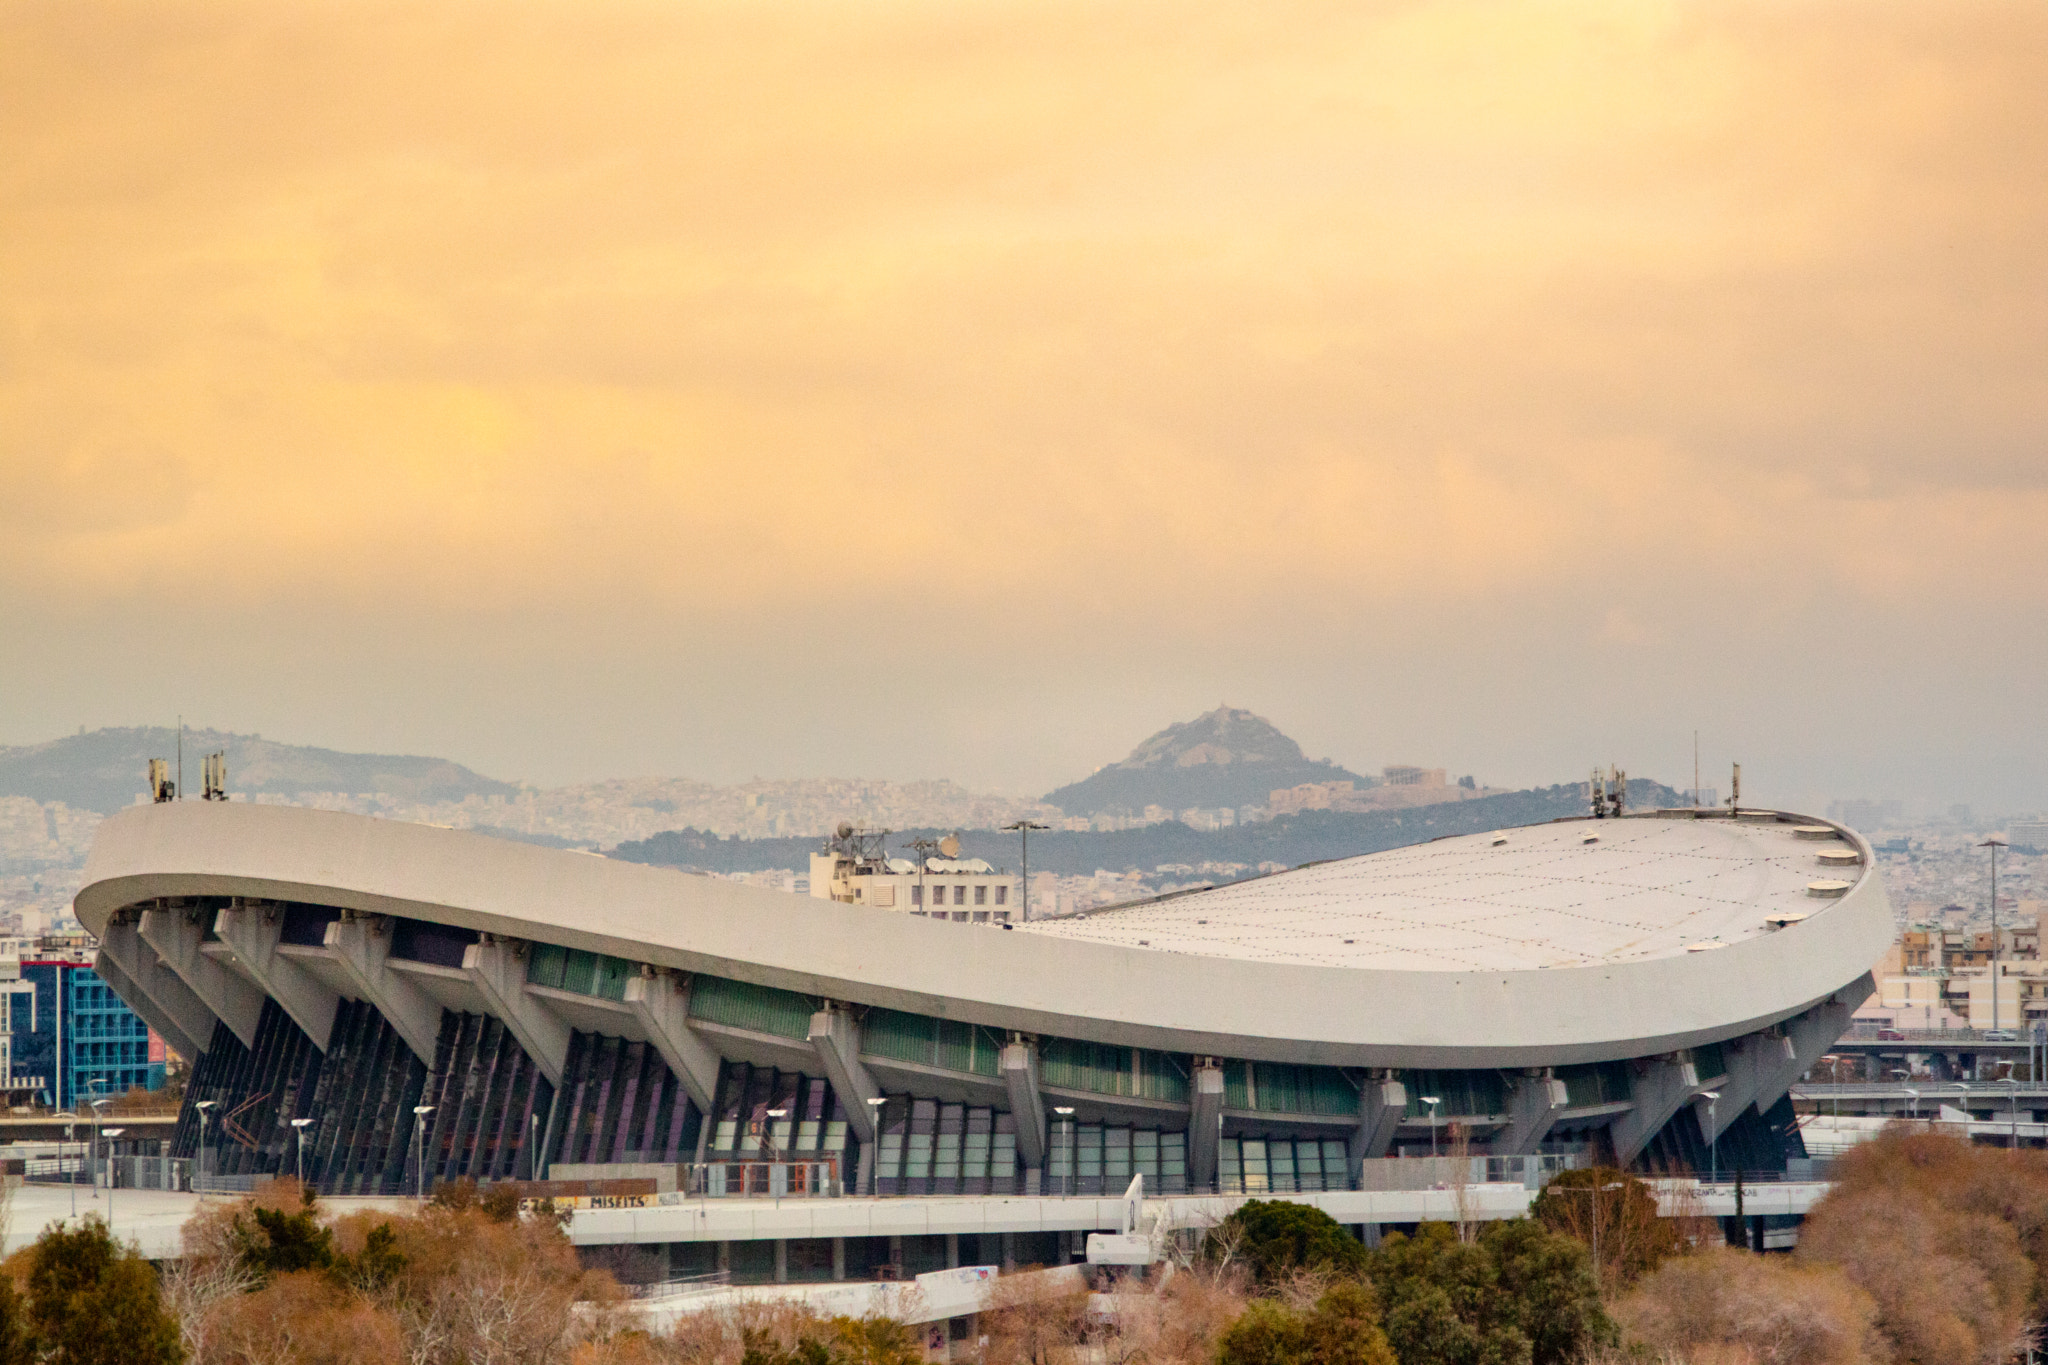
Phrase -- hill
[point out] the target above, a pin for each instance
(105, 770)
(1307, 836)
(1229, 757)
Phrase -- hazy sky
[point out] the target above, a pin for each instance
(969, 389)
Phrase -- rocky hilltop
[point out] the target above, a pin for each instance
(1229, 757)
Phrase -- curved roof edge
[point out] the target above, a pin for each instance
(1029, 982)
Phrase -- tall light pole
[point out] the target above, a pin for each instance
(69, 1119)
(199, 1185)
(419, 1150)
(1024, 828)
(299, 1125)
(775, 1116)
(1912, 1102)
(1432, 1101)
(1066, 1113)
(1994, 843)
(1713, 1097)
(533, 1146)
(875, 1105)
(110, 1135)
(2013, 1090)
(96, 1102)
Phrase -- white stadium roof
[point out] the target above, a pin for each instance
(1576, 893)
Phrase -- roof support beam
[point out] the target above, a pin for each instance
(1534, 1103)
(146, 1009)
(1205, 1124)
(177, 936)
(1752, 1060)
(361, 944)
(186, 1013)
(1381, 1106)
(1657, 1091)
(836, 1037)
(661, 1003)
(1811, 1035)
(254, 932)
(1019, 1066)
(497, 968)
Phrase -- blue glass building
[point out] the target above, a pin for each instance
(78, 1035)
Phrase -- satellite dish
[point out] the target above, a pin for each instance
(845, 831)
(950, 846)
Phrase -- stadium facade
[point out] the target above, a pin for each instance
(1642, 990)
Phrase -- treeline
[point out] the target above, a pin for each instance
(1303, 837)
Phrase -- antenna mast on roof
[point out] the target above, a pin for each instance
(1735, 792)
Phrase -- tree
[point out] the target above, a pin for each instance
(1633, 1239)
(17, 1347)
(1520, 1293)
(1342, 1329)
(1773, 1309)
(282, 1242)
(93, 1302)
(1274, 1237)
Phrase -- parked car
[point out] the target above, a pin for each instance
(1890, 1035)
(2000, 1035)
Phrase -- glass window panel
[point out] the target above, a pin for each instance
(946, 1157)
(835, 1135)
(1254, 1151)
(1280, 1165)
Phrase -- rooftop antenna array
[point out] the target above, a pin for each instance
(1735, 792)
(161, 788)
(213, 772)
(1609, 792)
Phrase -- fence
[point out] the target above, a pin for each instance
(759, 1179)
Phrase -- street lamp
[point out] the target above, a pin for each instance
(69, 1119)
(96, 1102)
(1912, 1103)
(202, 1106)
(110, 1135)
(1432, 1101)
(419, 1150)
(1713, 1097)
(1024, 828)
(1596, 1191)
(1994, 843)
(875, 1103)
(774, 1151)
(2013, 1089)
(300, 1126)
(1066, 1113)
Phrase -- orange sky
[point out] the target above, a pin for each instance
(970, 389)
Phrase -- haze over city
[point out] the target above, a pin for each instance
(914, 392)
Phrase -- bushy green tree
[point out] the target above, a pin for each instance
(1274, 1237)
(93, 1302)
(1519, 1295)
(277, 1242)
(1342, 1329)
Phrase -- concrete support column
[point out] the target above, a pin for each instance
(1019, 1066)
(952, 1251)
(1658, 1087)
(362, 945)
(497, 968)
(661, 1002)
(781, 1261)
(178, 937)
(1205, 1124)
(254, 933)
(189, 1017)
(836, 1038)
(1534, 1102)
(725, 1256)
(1811, 1035)
(838, 1258)
(1009, 1252)
(146, 1009)
(1381, 1104)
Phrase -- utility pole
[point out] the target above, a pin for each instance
(1994, 843)
(1024, 828)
